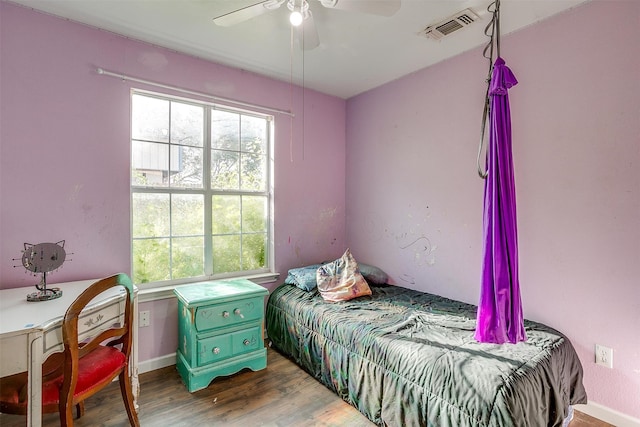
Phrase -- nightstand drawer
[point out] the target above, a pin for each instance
(227, 345)
(214, 348)
(247, 340)
(231, 313)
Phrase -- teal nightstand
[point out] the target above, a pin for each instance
(220, 330)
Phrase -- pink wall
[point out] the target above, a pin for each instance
(64, 153)
(414, 201)
(414, 198)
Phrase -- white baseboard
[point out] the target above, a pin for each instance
(611, 416)
(156, 363)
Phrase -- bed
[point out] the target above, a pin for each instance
(407, 358)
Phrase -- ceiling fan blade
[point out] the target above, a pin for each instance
(373, 7)
(246, 13)
(307, 33)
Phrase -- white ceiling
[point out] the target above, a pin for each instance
(357, 51)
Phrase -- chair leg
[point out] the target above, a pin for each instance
(127, 397)
(66, 413)
(66, 418)
(79, 409)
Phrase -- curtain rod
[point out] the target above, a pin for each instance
(104, 72)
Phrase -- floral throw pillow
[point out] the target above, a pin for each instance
(341, 280)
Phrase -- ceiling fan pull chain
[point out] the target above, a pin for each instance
(291, 94)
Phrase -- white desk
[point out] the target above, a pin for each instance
(31, 331)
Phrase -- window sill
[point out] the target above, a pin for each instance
(165, 292)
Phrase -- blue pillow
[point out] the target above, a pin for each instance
(303, 277)
(373, 274)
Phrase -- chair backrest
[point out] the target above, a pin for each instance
(118, 335)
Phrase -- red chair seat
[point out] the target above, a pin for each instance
(102, 364)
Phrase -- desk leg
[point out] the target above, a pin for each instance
(34, 382)
(133, 365)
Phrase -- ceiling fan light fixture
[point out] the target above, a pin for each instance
(296, 18)
(299, 11)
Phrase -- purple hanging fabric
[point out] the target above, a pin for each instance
(500, 318)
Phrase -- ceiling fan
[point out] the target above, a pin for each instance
(307, 33)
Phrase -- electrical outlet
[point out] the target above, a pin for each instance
(604, 356)
(144, 319)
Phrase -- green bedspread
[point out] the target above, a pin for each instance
(406, 358)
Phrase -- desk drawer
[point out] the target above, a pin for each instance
(227, 314)
(228, 345)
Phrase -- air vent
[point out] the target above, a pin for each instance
(450, 25)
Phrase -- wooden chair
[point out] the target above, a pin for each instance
(84, 368)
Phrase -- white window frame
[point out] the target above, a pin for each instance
(164, 289)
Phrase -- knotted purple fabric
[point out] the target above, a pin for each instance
(500, 318)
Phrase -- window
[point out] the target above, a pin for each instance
(200, 190)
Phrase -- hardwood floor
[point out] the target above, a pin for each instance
(584, 420)
(280, 395)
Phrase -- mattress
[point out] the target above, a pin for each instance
(408, 358)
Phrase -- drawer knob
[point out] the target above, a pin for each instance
(216, 350)
(225, 314)
(246, 342)
(238, 313)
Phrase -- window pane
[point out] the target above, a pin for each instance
(225, 214)
(254, 248)
(187, 124)
(225, 170)
(149, 118)
(226, 254)
(186, 167)
(150, 164)
(254, 134)
(151, 260)
(150, 215)
(254, 214)
(225, 130)
(254, 172)
(187, 215)
(187, 257)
